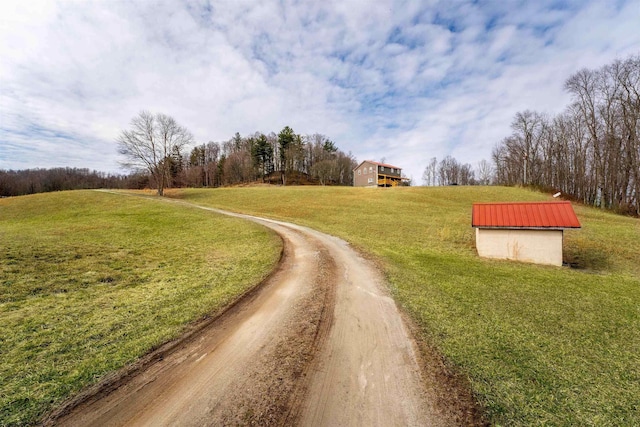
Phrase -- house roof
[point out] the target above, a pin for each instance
(524, 215)
(386, 165)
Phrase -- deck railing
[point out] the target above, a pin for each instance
(388, 182)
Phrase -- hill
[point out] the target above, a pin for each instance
(539, 345)
(91, 281)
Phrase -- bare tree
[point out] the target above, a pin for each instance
(150, 144)
(430, 172)
(323, 170)
(466, 176)
(448, 171)
(527, 132)
(485, 172)
(592, 150)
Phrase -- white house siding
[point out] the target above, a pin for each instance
(536, 246)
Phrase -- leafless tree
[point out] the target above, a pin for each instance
(466, 176)
(448, 171)
(150, 143)
(324, 170)
(527, 133)
(429, 176)
(485, 172)
(592, 150)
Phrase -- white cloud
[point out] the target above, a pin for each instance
(404, 80)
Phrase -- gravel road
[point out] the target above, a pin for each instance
(320, 343)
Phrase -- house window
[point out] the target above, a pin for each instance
(370, 180)
(365, 171)
(382, 168)
(371, 169)
(392, 170)
(359, 171)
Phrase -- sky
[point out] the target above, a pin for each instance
(402, 81)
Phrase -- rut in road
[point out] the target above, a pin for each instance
(320, 343)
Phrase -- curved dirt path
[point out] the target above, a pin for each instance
(321, 343)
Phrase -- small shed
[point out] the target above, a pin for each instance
(523, 231)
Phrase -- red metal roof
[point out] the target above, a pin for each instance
(524, 215)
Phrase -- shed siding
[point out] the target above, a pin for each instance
(536, 246)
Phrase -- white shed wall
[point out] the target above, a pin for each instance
(536, 246)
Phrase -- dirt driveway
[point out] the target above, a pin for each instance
(320, 343)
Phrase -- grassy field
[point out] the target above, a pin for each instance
(540, 345)
(91, 281)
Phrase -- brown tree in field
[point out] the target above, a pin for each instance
(150, 144)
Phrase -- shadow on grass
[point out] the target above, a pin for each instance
(587, 257)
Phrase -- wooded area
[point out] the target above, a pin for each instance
(450, 171)
(283, 159)
(31, 181)
(591, 151)
(155, 143)
(157, 151)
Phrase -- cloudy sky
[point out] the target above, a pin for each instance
(400, 80)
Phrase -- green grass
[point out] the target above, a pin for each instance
(540, 345)
(91, 281)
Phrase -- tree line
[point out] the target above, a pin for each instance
(31, 181)
(280, 158)
(161, 154)
(157, 144)
(590, 151)
(449, 171)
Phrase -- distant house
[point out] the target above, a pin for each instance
(374, 174)
(523, 231)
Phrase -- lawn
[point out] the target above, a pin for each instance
(540, 345)
(91, 281)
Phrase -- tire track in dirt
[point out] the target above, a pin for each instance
(320, 343)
